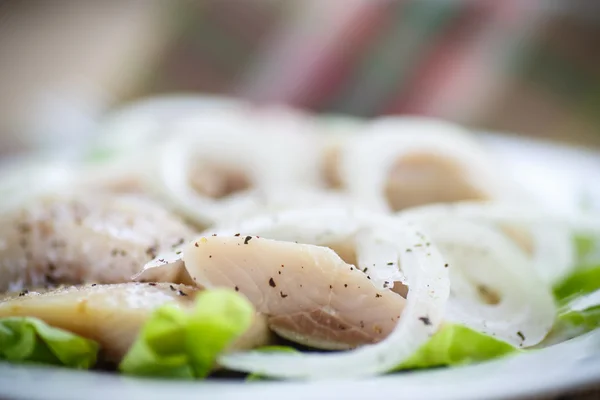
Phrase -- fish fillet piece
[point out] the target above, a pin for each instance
(98, 238)
(311, 296)
(113, 314)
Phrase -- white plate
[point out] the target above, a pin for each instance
(560, 177)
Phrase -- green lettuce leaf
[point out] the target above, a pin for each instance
(456, 345)
(26, 339)
(580, 282)
(585, 320)
(572, 323)
(178, 344)
(584, 245)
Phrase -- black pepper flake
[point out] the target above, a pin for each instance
(390, 263)
(94, 284)
(425, 320)
(520, 334)
(330, 286)
(368, 277)
(377, 295)
(272, 282)
(279, 272)
(365, 270)
(237, 289)
(23, 293)
(49, 279)
(283, 295)
(173, 288)
(351, 268)
(181, 293)
(445, 265)
(214, 234)
(237, 234)
(152, 284)
(247, 239)
(196, 244)
(282, 265)
(345, 285)
(209, 256)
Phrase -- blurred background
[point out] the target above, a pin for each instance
(529, 67)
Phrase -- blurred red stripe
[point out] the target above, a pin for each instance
(335, 67)
(297, 53)
(442, 62)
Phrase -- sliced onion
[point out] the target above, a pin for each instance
(366, 161)
(277, 165)
(146, 121)
(553, 249)
(494, 287)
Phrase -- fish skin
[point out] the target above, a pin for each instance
(309, 293)
(113, 314)
(74, 239)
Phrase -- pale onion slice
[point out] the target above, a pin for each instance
(553, 252)
(122, 150)
(494, 287)
(274, 165)
(372, 235)
(367, 160)
(423, 314)
(259, 202)
(334, 131)
(290, 145)
(145, 121)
